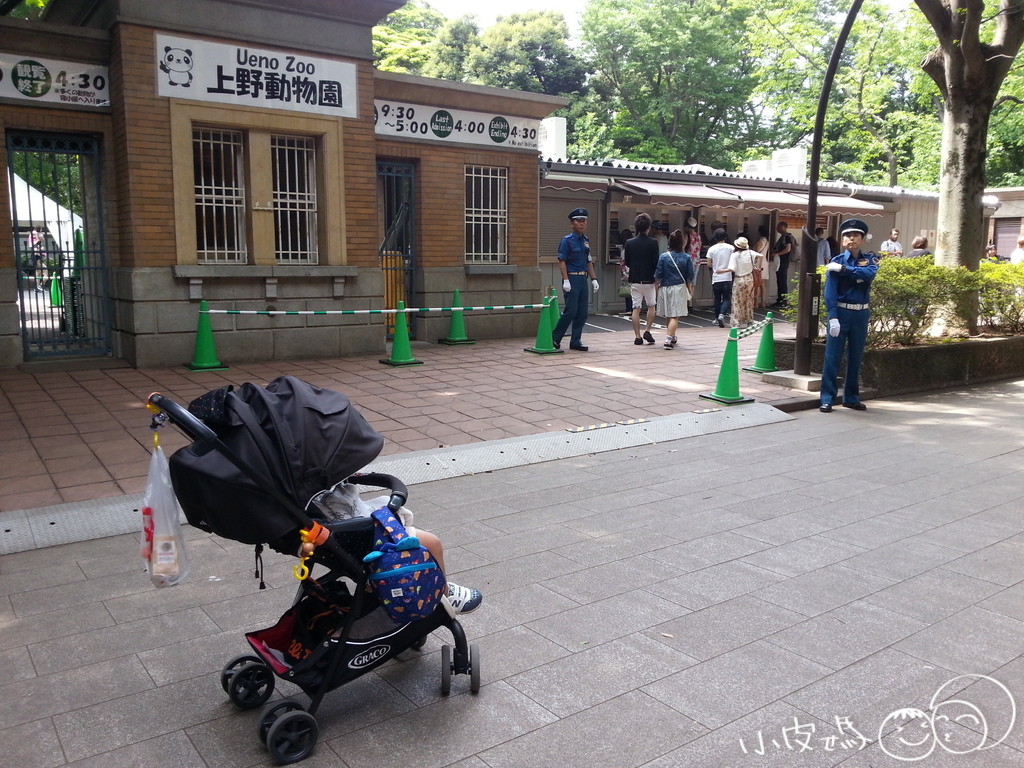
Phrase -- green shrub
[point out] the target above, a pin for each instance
(905, 301)
(1001, 304)
(908, 296)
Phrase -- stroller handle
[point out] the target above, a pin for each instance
(178, 414)
(399, 493)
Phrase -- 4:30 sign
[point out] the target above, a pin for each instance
(82, 80)
(52, 80)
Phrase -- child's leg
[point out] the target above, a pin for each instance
(460, 599)
(433, 545)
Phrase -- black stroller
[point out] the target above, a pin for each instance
(258, 456)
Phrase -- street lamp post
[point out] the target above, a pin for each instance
(810, 283)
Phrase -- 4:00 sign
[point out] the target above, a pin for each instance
(455, 125)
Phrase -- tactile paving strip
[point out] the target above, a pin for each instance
(426, 466)
(27, 529)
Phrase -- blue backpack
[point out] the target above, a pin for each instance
(403, 573)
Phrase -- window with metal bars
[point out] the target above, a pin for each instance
(294, 185)
(486, 215)
(218, 161)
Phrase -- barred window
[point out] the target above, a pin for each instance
(218, 161)
(294, 185)
(486, 215)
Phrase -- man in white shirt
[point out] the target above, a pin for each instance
(892, 247)
(824, 249)
(659, 234)
(719, 255)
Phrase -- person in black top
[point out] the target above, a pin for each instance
(785, 252)
(641, 257)
(919, 247)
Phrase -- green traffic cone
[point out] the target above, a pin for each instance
(544, 345)
(56, 296)
(553, 310)
(457, 327)
(728, 388)
(205, 357)
(765, 362)
(401, 350)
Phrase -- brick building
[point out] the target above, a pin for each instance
(248, 154)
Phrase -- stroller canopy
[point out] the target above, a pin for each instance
(300, 438)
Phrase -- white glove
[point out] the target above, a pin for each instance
(834, 266)
(596, 285)
(833, 327)
(566, 286)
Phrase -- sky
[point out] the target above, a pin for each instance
(487, 12)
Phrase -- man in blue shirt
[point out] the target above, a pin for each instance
(824, 249)
(848, 279)
(577, 268)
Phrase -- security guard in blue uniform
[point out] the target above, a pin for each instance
(848, 279)
(577, 268)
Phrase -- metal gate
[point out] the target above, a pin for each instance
(57, 221)
(396, 202)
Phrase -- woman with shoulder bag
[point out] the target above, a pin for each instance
(673, 278)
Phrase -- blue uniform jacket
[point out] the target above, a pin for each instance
(853, 284)
(574, 250)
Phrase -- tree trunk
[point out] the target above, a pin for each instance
(969, 74)
(961, 236)
(960, 239)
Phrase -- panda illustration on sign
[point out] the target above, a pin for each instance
(177, 63)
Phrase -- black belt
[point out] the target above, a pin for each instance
(644, 282)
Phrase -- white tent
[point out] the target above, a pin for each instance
(31, 208)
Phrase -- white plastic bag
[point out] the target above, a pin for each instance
(162, 545)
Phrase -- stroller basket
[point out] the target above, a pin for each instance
(297, 648)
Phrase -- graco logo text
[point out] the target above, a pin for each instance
(369, 656)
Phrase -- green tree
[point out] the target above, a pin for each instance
(1006, 133)
(881, 120)
(977, 45)
(26, 9)
(528, 52)
(678, 75)
(589, 127)
(400, 41)
(449, 52)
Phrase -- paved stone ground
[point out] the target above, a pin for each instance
(73, 436)
(691, 603)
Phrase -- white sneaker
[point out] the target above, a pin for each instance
(463, 599)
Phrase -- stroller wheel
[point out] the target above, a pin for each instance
(232, 666)
(273, 713)
(474, 668)
(446, 670)
(251, 686)
(419, 643)
(292, 737)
